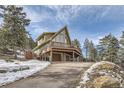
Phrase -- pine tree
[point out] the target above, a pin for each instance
(110, 46)
(104, 46)
(76, 43)
(86, 46)
(100, 51)
(113, 48)
(92, 52)
(30, 44)
(13, 28)
(121, 50)
(2, 7)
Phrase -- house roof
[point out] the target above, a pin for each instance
(37, 47)
(45, 33)
(54, 35)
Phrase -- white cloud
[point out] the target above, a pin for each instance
(34, 15)
(117, 33)
(65, 13)
(112, 13)
(37, 30)
(88, 13)
(106, 11)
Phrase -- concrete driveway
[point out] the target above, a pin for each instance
(57, 75)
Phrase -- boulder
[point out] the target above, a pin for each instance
(106, 82)
(103, 74)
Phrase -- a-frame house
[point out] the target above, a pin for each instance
(56, 46)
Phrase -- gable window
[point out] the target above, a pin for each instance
(62, 38)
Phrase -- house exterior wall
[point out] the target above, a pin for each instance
(40, 42)
(43, 49)
(43, 39)
(60, 38)
(37, 52)
(47, 36)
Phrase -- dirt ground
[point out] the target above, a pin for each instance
(57, 75)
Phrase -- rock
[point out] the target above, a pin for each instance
(106, 82)
(25, 68)
(103, 74)
(2, 71)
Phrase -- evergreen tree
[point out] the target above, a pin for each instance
(121, 50)
(13, 29)
(110, 46)
(92, 52)
(104, 47)
(113, 48)
(30, 44)
(2, 7)
(100, 51)
(86, 46)
(76, 43)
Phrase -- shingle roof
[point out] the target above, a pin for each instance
(44, 33)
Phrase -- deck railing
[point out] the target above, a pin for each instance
(58, 45)
(63, 45)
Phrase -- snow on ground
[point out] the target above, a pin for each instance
(17, 70)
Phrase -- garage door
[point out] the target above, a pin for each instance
(56, 57)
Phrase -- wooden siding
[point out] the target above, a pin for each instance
(61, 37)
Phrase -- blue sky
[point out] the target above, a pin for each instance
(91, 22)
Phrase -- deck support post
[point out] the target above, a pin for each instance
(50, 56)
(45, 56)
(40, 57)
(73, 56)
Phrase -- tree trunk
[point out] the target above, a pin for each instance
(86, 54)
(14, 51)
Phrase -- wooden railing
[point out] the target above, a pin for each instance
(59, 44)
(63, 45)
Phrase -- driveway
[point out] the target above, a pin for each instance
(57, 75)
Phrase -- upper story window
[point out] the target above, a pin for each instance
(60, 38)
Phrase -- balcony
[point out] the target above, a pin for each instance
(59, 44)
(63, 45)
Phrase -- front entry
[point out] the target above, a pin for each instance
(56, 57)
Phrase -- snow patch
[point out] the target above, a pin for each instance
(10, 76)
